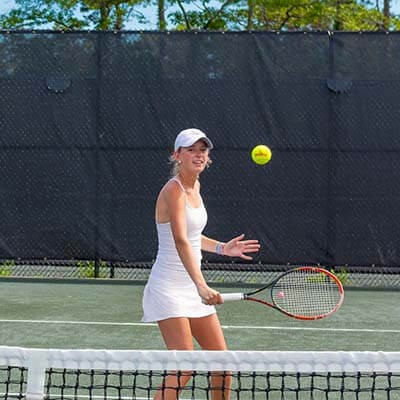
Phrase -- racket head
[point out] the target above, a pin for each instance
(307, 293)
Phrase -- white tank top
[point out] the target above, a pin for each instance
(167, 256)
(170, 292)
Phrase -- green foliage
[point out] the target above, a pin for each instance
(325, 15)
(343, 275)
(7, 267)
(275, 15)
(59, 14)
(205, 15)
(69, 14)
(317, 278)
(87, 269)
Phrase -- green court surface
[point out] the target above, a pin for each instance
(95, 315)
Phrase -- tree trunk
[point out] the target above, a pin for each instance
(386, 13)
(162, 24)
(104, 16)
(119, 18)
(337, 22)
(264, 17)
(250, 13)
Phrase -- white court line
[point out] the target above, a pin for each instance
(280, 328)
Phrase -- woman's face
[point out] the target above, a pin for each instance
(194, 158)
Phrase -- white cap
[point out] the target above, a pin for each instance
(190, 136)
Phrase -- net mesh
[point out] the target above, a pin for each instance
(13, 382)
(120, 374)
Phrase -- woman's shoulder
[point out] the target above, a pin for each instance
(172, 188)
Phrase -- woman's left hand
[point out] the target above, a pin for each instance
(237, 247)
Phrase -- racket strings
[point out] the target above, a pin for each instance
(306, 293)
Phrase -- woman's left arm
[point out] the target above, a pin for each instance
(236, 247)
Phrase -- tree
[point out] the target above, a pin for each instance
(275, 15)
(204, 14)
(322, 15)
(280, 15)
(162, 23)
(70, 14)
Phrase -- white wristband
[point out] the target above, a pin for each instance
(219, 249)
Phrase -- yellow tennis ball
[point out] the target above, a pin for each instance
(261, 154)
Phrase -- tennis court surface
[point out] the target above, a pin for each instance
(82, 315)
(340, 357)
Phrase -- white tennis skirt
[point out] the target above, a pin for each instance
(172, 294)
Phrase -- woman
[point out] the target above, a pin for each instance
(177, 296)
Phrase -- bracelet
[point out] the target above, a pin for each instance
(219, 249)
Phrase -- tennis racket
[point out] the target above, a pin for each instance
(305, 293)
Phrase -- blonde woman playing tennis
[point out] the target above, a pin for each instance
(176, 295)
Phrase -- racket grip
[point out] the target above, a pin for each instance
(232, 296)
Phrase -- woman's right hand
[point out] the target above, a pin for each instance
(209, 296)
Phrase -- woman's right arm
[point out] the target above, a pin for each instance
(175, 201)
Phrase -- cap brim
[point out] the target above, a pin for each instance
(195, 140)
(208, 141)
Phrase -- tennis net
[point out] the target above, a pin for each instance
(35, 374)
